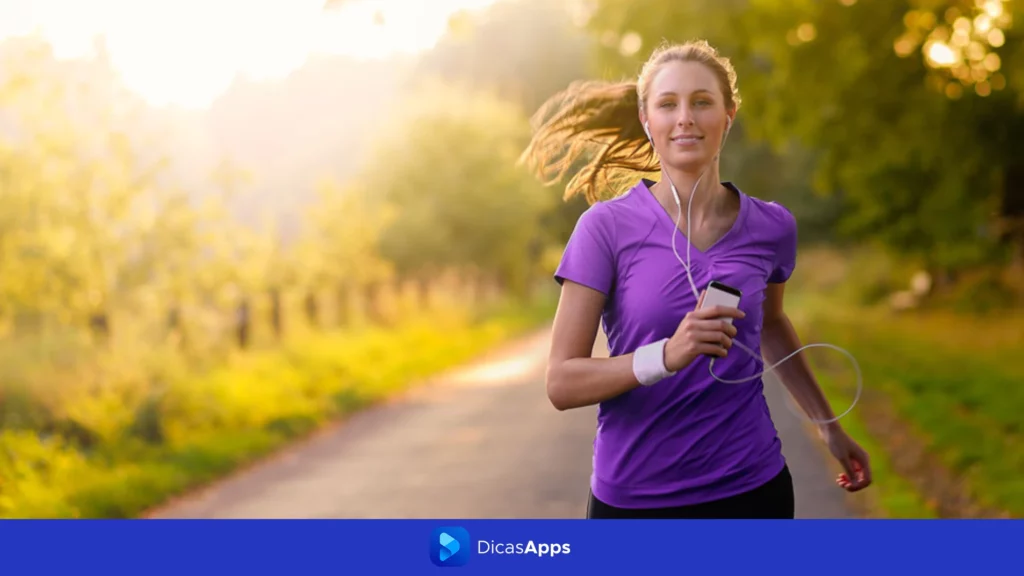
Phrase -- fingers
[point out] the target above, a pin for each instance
(862, 462)
(716, 338)
(707, 330)
(847, 466)
(858, 473)
(847, 480)
(713, 343)
(712, 350)
(719, 312)
(714, 326)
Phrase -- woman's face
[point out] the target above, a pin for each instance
(686, 115)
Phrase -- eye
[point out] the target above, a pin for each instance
(667, 104)
(703, 102)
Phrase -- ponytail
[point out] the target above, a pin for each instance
(593, 122)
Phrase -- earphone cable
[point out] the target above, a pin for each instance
(696, 294)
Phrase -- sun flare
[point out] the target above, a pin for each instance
(186, 52)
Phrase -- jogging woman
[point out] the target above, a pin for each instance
(672, 440)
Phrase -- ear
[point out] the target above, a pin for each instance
(646, 126)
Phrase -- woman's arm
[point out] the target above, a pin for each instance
(778, 340)
(576, 379)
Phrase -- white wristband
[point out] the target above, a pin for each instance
(649, 363)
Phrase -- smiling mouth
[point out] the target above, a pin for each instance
(687, 140)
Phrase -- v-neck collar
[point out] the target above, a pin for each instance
(668, 219)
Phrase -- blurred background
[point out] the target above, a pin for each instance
(225, 224)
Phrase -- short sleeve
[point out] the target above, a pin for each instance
(589, 255)
(785, 249)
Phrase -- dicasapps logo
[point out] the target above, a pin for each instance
(530, 548)
(450, 546)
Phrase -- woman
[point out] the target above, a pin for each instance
(684, 445)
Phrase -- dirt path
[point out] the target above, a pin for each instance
(480, 442)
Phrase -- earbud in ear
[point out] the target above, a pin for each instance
(647, 129)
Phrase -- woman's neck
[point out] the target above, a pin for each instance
(706, 200)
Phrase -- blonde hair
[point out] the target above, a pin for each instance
(591, 115)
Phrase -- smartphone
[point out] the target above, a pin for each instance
(719, 294)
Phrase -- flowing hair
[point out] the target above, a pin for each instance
(597, 123)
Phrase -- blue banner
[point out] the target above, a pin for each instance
(530, 547)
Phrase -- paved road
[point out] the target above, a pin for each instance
(480, 442)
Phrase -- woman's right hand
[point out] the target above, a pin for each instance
(701, 332)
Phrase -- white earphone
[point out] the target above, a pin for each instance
(696, 295)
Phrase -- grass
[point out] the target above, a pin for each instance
(193, 428)
(963, 400)
(953, 379)
(891, 495)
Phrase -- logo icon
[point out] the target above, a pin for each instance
(450, 546)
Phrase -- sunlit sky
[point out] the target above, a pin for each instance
(186, 52)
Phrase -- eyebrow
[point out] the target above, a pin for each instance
(697, 91)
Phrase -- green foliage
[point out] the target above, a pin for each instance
(950, 377)
(339, 243)
(153, 337)
(914, 156)
(84, 226)
(484, 52)
(154, 438)
(557, 51)
(451, 181)
(965, 408)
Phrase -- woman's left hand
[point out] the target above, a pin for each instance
(853, 458)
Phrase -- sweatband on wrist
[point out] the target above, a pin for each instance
(649, 363)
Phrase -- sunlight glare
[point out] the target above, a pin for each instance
(940, 54)
(499, 373)
(186, 52)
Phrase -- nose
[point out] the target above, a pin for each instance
(685, 116)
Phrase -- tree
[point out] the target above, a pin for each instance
(86, 229)
(448, 170)
(339, 247)
(522, 50)
(915, 134)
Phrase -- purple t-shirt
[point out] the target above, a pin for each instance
(689, 438)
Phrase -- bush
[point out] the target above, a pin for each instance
(122, 437)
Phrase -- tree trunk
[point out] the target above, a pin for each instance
(243, 324)
(1013, 219)
(1013, 211)
(312, 309)
(276, 313)
(173, 319)
(99, 324)
(176, 327)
